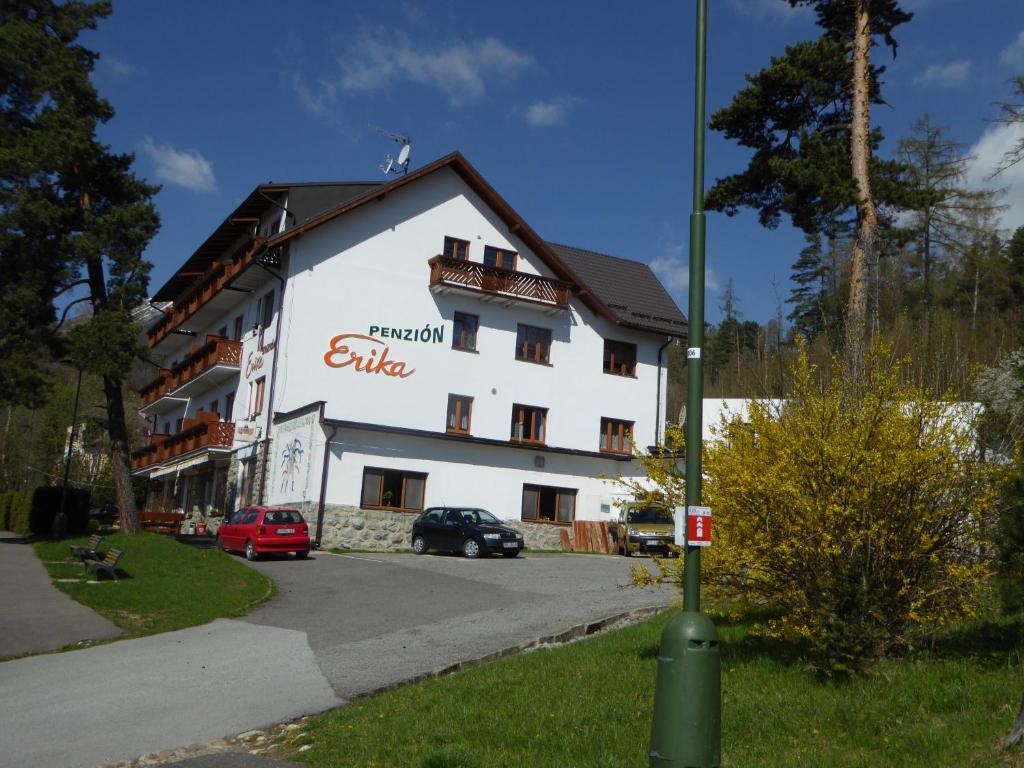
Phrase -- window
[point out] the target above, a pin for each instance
(229, 406)
(267, 309)
(464, 331)
(529, 424)
(544, 504)
(499, 257)
(533, 344)
(167, 427)
(239, 322)
(460, 408)
(215, 407)
(616, 436)
(179, 424)
(256, 396)
(456, 249)
(393, 489)
(619, 358)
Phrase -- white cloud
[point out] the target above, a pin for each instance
(116, 66)
(986, 155)
(1013, 54)
(946, 75)
(776, 10)
(674, 272)
(542, 114)
(183, 168)
(457, 69)
(315, 101)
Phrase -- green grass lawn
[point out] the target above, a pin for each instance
(165, 585)
(589, 704)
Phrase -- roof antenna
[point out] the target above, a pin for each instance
(399, 165)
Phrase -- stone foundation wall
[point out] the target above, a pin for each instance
(347, 527)
(540, 536)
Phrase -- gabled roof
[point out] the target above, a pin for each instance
(628, 288)
(623, 292)
(305, 201)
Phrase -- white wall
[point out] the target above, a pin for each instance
(491, 477)
(368, 270)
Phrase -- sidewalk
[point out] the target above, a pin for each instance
(35, 616)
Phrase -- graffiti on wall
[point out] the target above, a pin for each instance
(291, 463)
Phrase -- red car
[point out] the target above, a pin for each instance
(261, 530)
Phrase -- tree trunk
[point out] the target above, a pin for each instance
(860, 154)
(117, 428)
(120, 456)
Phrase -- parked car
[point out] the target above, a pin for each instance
(473, 532)
(260, 530)
(644, 528)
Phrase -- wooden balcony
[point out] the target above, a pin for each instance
(216, 351)
(496, 283)
(203, 431)
(209, 285)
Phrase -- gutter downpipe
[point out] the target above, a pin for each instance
(273, 377)
(657, 402)
(323, 479)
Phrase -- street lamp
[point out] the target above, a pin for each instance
(686, 728)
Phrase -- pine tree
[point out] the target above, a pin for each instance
(73, 214)
(1015, 264)
(812, 295)
(945, 214)
(807, 119)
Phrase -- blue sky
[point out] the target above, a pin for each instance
(580, 114)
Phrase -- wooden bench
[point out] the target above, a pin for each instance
(91, 550)
(162, 522)
(107, 565)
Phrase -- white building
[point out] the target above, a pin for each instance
(418, 344)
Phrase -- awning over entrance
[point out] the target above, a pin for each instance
(179, 466)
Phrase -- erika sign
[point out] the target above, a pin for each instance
(365, 354)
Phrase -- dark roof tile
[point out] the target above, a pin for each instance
(628, 288)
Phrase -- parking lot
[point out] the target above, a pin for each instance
(376, 619)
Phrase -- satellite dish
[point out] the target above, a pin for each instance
(401, 164)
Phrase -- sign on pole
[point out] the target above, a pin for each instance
(679, 515)
(698, 528)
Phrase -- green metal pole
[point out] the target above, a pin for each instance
(686, 728)
(695, 316)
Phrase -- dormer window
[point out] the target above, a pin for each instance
(499, 257)
(456, 249)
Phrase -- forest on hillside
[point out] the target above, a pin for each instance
(897, 244)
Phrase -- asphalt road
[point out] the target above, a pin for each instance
(377, 619)
(339, 626)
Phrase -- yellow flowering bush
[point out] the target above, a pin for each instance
(857, 508)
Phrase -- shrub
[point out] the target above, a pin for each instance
(45, 504)
(1010, 542)
(855, 508)
(20, 510)
(5, 510)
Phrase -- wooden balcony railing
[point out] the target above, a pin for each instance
(460, 273)
(210, 284)
(203, 431)
(216, 351)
